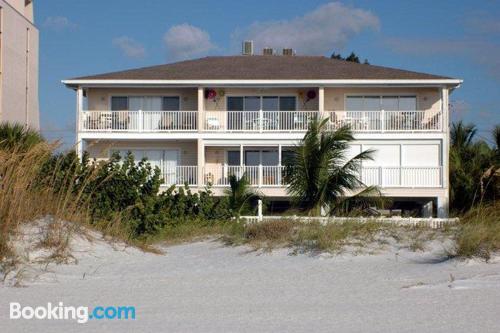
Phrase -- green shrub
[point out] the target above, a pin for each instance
(122, 190)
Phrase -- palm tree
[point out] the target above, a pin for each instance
(318, 171)
(17, 135)
(474, 167)
(240, 195)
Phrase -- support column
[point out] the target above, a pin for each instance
(442, 206)
(241, 155)
(79, 109)
(201, 164)
(445, 172)
(427, 209)
(321, 102)
(279, 155)
(201, 109)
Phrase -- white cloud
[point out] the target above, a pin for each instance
(326, 28)
(185, 41)
(58, 23)
(130, 47)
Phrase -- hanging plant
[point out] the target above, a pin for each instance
(210, 94)
(311, 94)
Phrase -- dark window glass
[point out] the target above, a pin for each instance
(270, 158)
(171, 104)
(235, 103)
(119, 103)
(270, 103)
(252, 103)
(233, 157)
(286, 156)
(288, 103)
(252, 157)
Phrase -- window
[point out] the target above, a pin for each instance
(261, 157)
(171, 103)
(377, 103)
(119, 103)
(266, 103)
(145, 103)
(233, 157)
(252, 157)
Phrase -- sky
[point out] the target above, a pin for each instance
(457, 38)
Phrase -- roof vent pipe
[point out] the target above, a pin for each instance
(247, 47)
(267, 51)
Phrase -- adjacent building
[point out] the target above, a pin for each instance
(18, 63)
(202, 120)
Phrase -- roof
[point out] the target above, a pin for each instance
(262, 67)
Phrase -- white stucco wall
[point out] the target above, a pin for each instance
(18, 64)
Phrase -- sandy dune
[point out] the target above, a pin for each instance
(207, 287)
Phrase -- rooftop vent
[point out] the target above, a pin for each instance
(247, 47)
(267, 51)
(288, 52)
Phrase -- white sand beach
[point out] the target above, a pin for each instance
(208, 287)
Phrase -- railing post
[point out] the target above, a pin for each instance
(381, 176)
(261, 120)
(259, 210)
(141, 120)
(382, 120)
(260, 175)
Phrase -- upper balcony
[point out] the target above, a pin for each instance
(258, 121)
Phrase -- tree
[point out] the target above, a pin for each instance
(474, 167)
(351, 57)
(19, 136)
(318, 171)
(240, 195)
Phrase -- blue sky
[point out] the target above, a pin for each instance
(456, 38)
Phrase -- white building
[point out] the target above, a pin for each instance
(18, 63)
(202, 120)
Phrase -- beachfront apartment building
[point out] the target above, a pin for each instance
(202, 120)
(18, 64)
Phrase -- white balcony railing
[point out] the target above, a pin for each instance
(386, 121)
(139, 121)
(258, 121)
(261, 176)
(273, 176)
(180, 175)
(402, 176)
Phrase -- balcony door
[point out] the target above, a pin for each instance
(171, 160)
(244, 111)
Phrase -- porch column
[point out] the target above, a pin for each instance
(201, 163)
(443, 206)
(321, 102)
(79, 109)
(279, 154)
(241, 155)
(201, 109)
(443, 202)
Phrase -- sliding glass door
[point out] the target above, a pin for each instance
(244, 111)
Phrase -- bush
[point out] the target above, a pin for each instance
(478, 234)
(121, 191)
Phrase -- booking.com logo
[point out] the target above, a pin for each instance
(81, 314)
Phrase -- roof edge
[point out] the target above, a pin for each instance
(97, 82)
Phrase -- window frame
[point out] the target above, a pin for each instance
(261, 97)
(380, 96)
(110, 98)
